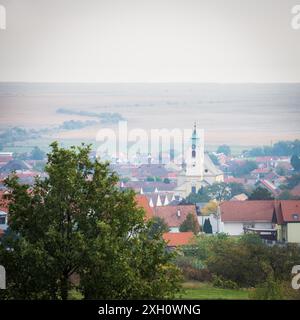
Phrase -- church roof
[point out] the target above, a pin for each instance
(210, 167)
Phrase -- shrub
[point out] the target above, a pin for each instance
(202, 275)
(220, 282)
(271, 289)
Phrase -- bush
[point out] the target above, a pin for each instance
(202, 275)
(220, 282)
(271, 289)
(288, 292)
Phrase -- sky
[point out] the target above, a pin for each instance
(149, 41)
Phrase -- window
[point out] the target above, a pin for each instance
(2, 219)
(194, 189)
(193, 154)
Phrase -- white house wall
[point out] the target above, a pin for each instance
(237, 228)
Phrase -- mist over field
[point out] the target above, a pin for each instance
(236, 114)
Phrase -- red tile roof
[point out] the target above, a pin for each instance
(290, 210)
(246, 211)
(175, 239)
(142, 202)
(264, 159)
(231, 179)
(175, 215)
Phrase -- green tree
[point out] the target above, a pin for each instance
(219, 191)
(78, 222)
(158, 226)
(200, 196)
(261, 193)
(224, 149)
(190, 224)
(295, 162)
(236, 188)
(244, 168)
(214, 159)
(207, 228)
(293, 180)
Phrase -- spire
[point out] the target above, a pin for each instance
(194, 135)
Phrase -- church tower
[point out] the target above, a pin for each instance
(195, 156)
(191, 178)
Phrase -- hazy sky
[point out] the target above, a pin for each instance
(150, 40)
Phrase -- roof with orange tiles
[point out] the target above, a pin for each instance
(290, 210)
(296, 191)
(245, 211)
(142, 202)
(174, 239)
(174, 216)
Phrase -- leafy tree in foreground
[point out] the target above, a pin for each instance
(158, 226)
(78, 222)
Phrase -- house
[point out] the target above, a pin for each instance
(260, 172)
(148, 186)
(160, 198)
(238, 217)
(296, 191)
(5, 157)
(142, 202)
(3, 220)
(174, 216)
(177, 239)
(268, 186)
(287, 217)
(15, 165)
(3, 210)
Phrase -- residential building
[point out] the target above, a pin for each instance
(175, 215)
(177, 239)
(237, 217)
(287, 217)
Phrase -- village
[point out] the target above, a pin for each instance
(222, 193)
(240, 203)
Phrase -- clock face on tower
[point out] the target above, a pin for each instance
(193, 146)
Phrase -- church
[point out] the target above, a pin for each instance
(198, 170)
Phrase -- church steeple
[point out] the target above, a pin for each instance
(194, 141)
(195, 159)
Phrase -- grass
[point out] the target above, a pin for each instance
(205, 291)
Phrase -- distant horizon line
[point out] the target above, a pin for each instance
(145, 82)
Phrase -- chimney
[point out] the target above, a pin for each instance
(178, 213)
